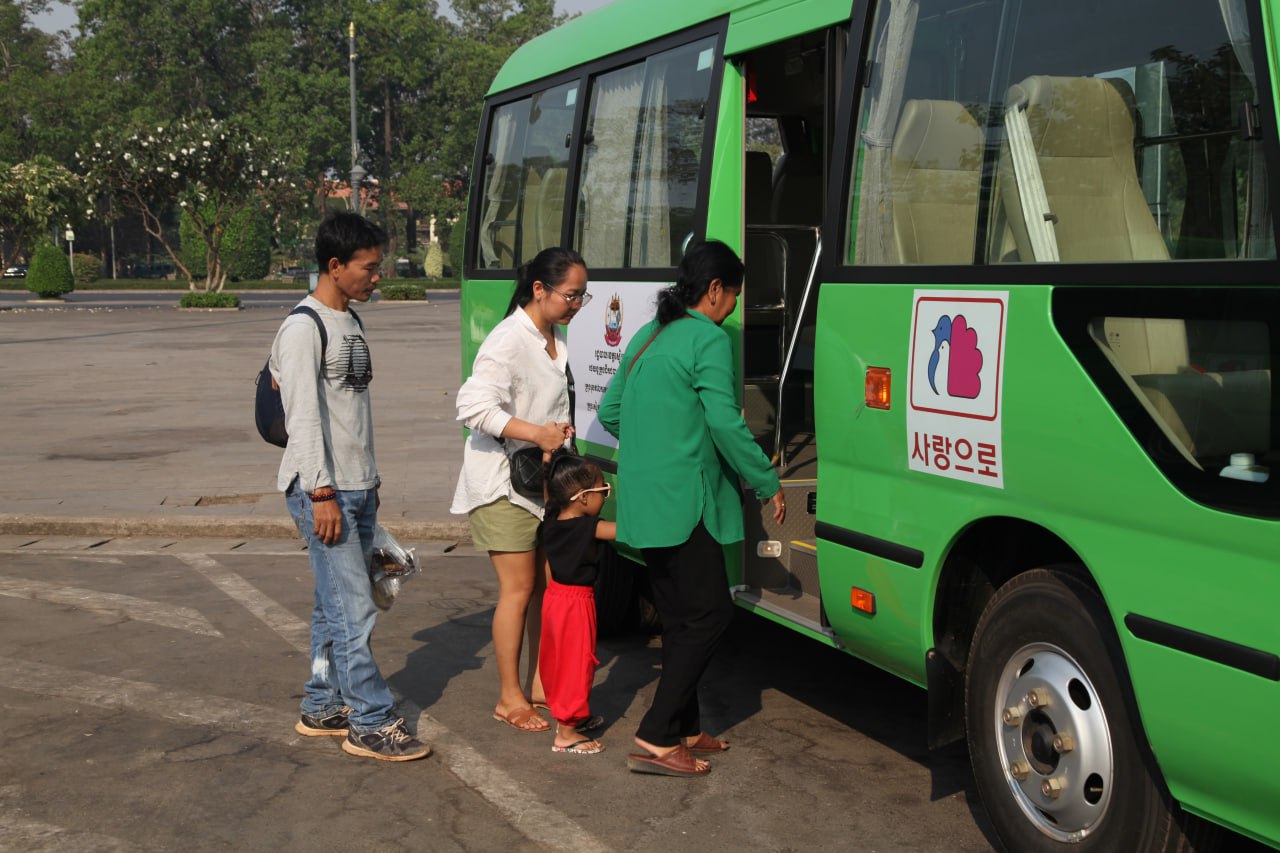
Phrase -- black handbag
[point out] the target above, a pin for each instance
(527, 472)
(527, 469)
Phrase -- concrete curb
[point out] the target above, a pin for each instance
(25, 524)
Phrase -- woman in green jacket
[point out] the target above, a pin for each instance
(682, 446)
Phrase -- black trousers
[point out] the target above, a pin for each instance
(691, 593)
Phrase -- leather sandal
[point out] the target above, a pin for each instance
(707, 745)
(678, 762)
(519, 720)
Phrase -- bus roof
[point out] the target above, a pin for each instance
(627, 23)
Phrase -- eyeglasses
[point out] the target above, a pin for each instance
(607, 488)
(580, 300)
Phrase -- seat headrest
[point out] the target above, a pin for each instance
(938, 135)
(1065, 115)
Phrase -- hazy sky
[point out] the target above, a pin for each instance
(62, 17)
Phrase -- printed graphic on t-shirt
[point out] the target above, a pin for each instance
(358, 365)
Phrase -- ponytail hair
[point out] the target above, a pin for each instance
(550, 266)
(566, 474)
(702, 264)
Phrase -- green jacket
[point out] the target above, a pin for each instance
(681, 437)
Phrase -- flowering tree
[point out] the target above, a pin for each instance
(210, 168)
(34, 196)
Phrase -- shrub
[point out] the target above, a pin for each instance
(433, 266)
(254, 258)
(88, 268)
(49, 275)
(201, 299)
(403, 292)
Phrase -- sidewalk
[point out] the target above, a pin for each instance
(139, 421)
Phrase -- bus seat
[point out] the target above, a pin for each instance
(549, 215)
(536, 161)
(797, 190)
(1082, 130)
(757, 184)
(937, 156)
(1213, 414)
(1146, 345)
(764, 314)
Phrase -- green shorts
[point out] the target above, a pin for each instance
(503, 526)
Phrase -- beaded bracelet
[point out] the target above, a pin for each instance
(315, 499)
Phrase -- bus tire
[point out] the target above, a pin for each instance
(1058, 756)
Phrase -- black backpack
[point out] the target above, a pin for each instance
(268, 408)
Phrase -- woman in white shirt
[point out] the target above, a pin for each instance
(518, 392)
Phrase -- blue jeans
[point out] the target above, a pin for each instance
(342, 668)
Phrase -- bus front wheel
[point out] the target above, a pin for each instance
(1057, 753)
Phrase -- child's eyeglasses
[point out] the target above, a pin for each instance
(607, 488)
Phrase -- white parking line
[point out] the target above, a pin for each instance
(179, 706)
(276, 617)
(111, 604)
(521, 806)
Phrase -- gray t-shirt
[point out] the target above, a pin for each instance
(327, 413)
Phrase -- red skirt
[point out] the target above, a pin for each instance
(567, 654)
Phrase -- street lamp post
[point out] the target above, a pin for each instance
(357, 173)
(71, 248)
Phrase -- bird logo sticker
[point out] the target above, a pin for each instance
(956, 364)
(955, 351)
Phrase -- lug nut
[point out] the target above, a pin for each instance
(1020, 770)
(1012, 715)
(1038, 698)
(1052, 787)
(1063, 743)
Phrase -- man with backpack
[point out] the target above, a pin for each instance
(320, 362)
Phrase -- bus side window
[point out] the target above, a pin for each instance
(523, 178)
(642, 158)
(1136, 140)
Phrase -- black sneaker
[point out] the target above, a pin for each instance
(392, 742)
(334, 724)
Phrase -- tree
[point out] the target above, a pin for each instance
(35, 196)
(49, 275)
(28, 60)
(211, 168)
(246, 244)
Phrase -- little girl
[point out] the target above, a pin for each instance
(567, 658)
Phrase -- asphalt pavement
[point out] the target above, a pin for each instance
(139, 420)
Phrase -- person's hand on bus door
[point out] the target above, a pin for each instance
(779, 506)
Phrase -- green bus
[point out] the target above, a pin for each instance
(1008, 328)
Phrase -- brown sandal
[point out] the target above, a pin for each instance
(519, 719)
(678, 762)
(707, 745)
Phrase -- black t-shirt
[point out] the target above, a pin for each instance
(572, 549)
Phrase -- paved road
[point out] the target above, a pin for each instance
(150, 688)
(135, 298)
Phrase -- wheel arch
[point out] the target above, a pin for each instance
(983, 557)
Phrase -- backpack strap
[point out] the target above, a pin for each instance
(324, 335)
(353, 313)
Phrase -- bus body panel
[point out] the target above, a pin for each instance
(1072, 468)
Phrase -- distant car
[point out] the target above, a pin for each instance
(16, 271)
(293, 273)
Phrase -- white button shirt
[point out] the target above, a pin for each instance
(513, 377)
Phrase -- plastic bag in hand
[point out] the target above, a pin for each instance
(390, 565)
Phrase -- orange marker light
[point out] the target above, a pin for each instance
(862, 600)
(879, 382)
